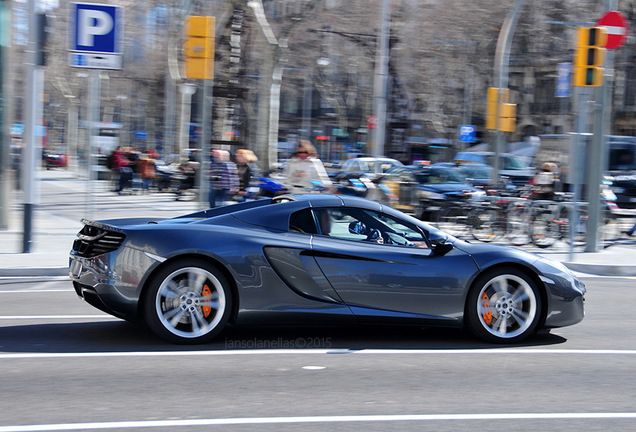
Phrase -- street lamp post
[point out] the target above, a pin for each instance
(380, 83)
(187, 90)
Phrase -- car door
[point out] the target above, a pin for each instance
(399, 277)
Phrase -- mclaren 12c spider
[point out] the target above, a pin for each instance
(314, 259)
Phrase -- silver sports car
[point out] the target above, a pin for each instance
(319, 259)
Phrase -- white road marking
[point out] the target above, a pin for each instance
(54, 317)
(37, 291)
(313, 419)
(498, 351)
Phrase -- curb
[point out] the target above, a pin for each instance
(602, 269)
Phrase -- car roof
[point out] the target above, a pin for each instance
(274, 213)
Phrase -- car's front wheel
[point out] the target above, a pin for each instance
(188, 302)
(504, 306)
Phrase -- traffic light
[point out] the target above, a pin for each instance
(198, 47)
(589, 56)
(41, 37)
(499, 113)
(507, 117)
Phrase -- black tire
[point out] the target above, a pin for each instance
(188, 302)
(504, 306)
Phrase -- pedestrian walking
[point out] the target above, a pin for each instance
(224, 178)
(247, 171)
(146, 168)
(304, 171)
(121, 167)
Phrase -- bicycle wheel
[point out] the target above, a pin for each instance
(609, 227)
(578, 237)
(517, 228)
(485, 225)
(544, 229)
(452, 219)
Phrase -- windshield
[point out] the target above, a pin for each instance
(621, 159)
(475, 171)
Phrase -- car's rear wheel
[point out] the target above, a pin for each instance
(188, 302)
(504, 306)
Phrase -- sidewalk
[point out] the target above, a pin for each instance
(56, 221)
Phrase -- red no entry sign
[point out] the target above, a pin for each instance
(616, 26)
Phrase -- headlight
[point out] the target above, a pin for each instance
(618, 189)
(556, 265)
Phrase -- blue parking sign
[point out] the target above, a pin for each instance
(95, 36)
(96, 28)
(467, 133)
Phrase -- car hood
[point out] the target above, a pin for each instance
(486, 255)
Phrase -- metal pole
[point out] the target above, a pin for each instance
(307, 102)
(94, 95)
(6, 94)
(380, 82)
(578, 165)
(502, 59)
(597, 157)
(206, 121)
(274, 112)
(187, 90)
(32, 150)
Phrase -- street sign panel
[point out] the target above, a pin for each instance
(467, 133)
(616, 27)
(564, 73)
(95, 36)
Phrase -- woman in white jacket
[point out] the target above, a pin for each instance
(304, 171)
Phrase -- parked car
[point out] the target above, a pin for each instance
(425, 189)
(621, 175)
(356, 175)
(512, 167)
(53, 158)
(314, 258)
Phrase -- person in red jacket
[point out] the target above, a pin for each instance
(119, 165)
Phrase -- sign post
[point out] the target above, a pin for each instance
(615, 26)
(95, 43)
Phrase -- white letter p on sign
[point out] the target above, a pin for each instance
(92, 23)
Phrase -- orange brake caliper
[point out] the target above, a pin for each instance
(485, 304)
(207, 310)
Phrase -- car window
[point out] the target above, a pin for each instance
(370, 226)
(303, 222)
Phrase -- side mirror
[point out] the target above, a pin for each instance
(438, 242)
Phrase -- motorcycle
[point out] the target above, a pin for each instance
(269, 188)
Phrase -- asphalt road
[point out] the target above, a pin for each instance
(66, 366)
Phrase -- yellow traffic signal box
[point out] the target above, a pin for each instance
(589, 57)
(499, 108)
(198, 47)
